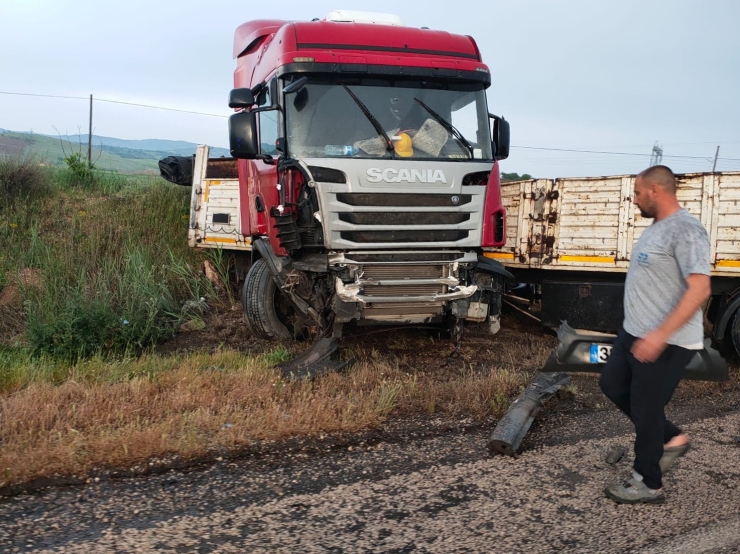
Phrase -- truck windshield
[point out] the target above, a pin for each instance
(323, 120)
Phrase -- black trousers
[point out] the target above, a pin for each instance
(641, 390)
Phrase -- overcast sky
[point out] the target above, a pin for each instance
(613, 76)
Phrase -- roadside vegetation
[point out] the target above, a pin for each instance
(123, 415)
(92, 263)
(95, 272)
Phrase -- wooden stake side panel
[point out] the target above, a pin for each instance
(591, 224)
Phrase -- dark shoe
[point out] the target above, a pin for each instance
(634, 492)
(671, 454)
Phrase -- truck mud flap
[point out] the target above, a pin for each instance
(580, 352)
(318, 359)
(513, 426)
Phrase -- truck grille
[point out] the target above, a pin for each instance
(410, 273)
(402, 200)
(362, 237)
(403, 290)
(403, 313)
(404, 218)
(384, 215)
(394, 271)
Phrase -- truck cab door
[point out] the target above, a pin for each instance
(263, 195)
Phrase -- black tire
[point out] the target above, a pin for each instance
(734, 332)
(259, 297)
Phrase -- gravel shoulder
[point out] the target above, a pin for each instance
(417, 486)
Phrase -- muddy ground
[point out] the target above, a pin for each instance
(521, 344)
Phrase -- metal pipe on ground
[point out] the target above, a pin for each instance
(513, 426)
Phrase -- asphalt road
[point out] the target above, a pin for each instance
(434, 492)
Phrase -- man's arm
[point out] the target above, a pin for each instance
(651, 346)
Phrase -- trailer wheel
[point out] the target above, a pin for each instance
(735, 332)
(261, 301)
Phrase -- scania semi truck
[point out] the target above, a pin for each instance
(365, 184)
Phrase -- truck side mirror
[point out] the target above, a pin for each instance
(243, 135)
(241, 98)
(501, 137)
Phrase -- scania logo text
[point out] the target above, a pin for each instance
(390, 175)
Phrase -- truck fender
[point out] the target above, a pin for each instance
(275, 264)
(493, 267)
(724, 317)
(279, 268)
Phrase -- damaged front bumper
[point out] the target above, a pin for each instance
(415, 286)
(353, 292)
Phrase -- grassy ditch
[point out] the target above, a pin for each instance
(93, 265)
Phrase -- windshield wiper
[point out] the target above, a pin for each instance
(371, 118)
(449, 127)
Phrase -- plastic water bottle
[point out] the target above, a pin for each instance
(337, 150)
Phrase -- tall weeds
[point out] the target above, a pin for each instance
(21, 178)
(109, 264)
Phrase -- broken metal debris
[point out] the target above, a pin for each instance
(318, 359)
(586, 352)
(513, 426)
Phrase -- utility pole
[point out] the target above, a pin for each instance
(89, 137)
(714, 165)
(657, 155)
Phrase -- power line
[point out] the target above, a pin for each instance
(704, 158)
(113, 102)
(646, 145)
(159, 107)
(43, 95)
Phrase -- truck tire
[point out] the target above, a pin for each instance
(734, 329)
(259, 295)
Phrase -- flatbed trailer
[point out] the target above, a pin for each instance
(572, 240)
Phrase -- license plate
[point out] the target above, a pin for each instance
(600, 353)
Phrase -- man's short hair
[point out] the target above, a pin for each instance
(661, 175)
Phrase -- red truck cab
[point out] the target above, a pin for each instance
(369, 175)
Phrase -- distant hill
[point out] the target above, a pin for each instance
(171, 147)
(125, 156)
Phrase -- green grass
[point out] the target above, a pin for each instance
(100, 267)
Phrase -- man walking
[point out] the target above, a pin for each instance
(667, 283)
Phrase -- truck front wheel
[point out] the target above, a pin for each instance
(262, 302)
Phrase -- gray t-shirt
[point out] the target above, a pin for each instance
(667, 253)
